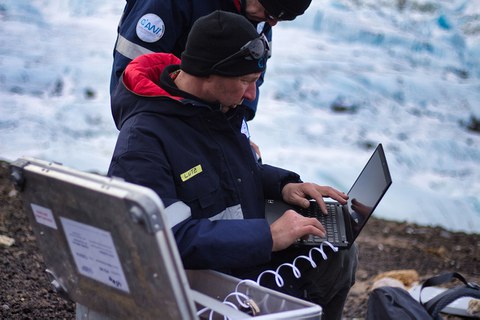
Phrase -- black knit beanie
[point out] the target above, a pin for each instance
(285, 9)
(215, 37)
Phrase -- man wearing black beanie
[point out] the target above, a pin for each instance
(199, 57)
(181, 134)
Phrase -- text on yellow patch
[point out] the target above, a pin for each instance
(191, 173)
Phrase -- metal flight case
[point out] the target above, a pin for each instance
(107, 245)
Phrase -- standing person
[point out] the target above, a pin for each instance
(149, 26)
(180, 136)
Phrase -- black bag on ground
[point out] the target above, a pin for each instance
(397, 304)
(394, 304)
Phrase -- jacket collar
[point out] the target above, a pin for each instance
(142, 75)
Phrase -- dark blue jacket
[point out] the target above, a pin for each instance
(149, 26)
(187, 150)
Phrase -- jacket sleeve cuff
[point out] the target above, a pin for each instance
(274, 179)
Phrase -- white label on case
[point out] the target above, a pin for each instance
(94, 253)
(43, 216)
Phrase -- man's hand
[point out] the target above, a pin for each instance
(256, 149)
(299, 194)
(292, 226)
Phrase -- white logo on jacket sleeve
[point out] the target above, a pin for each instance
(150, 28)
(244, 129)
(260, 27)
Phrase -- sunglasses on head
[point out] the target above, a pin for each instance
(255, 49)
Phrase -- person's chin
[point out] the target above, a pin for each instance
(254, 18)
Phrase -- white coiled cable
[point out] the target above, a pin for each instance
(244, 300)
(296, 272)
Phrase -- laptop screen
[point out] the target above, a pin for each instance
(368, 190)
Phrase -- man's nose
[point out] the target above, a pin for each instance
(251, 92)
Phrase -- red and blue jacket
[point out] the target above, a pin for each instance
(189, 152)
(149, 26)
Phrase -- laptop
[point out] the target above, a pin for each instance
(343, 223)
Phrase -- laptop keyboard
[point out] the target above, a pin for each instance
(329, 221)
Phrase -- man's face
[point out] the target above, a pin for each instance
(230, 91)
(256, 12)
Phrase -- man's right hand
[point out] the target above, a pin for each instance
(292, 226)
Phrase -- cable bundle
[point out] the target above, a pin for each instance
(247, 303)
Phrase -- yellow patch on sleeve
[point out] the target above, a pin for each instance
(191, 173)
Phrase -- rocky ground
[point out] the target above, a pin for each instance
(25, 292)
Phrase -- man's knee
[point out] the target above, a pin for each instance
(334, 275)
(350, 264)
